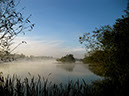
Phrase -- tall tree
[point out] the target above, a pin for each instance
(110, 46)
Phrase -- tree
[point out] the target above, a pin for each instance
(110, 49)
(12, 23)
(67, 59)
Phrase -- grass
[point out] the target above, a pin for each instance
(15, 86)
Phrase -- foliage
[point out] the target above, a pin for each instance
(42, 87)
(108, 87)
(7, 57)
(110, 49)
(12, 23)
(68, 58)
(16, 86)
(99, 62)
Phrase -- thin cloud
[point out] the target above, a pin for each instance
(46, 48)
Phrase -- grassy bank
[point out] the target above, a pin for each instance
(42, 87)
(15, 86)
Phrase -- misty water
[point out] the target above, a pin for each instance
(49, 68)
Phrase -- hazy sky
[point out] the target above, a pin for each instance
(59, 23)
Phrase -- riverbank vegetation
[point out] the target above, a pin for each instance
(109, 53)
(16, 86)
(42, 87)
(67, 59)
(108, 57)
(7, 57)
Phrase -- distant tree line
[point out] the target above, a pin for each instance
(4, 57)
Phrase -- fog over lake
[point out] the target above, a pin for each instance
(49, 68)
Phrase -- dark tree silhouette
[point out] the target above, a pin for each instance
(67, 59)
(12, 23)
(109, 56)
(110, 49)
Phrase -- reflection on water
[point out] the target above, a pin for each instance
(67, 67)
(59, 72)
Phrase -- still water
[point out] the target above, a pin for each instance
(51, 69)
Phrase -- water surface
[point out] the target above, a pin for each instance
(51, 69)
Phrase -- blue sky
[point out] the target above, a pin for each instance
(63, 21)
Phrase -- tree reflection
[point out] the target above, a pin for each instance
(67, 67)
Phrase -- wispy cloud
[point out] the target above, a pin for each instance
(41, 47)
(77, 49)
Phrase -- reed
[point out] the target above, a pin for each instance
(16, 86)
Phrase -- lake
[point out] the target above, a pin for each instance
(49, 68)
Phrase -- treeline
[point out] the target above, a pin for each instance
(38, 57)
(7, 57)
(109, 53)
